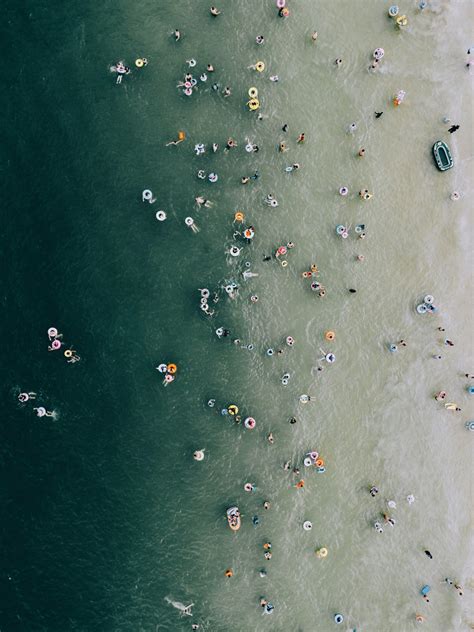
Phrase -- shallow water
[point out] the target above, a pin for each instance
(106, 513)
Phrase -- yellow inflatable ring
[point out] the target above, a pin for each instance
(253, 93)
(284, 263)
(259, 66)
(139, 63)
(172, 368)
(322, 552)
(329, 335)
(233, 409)
(253, 104)
(68, 353)
(239, 216)
(402, 20)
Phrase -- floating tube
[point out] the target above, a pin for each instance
(232, 409)
(162, 368)
(338, 618)
(393, 11)
(147, 195)
(280, 3)
(340, 229)
(253, 104)
(260, 66)
(253, 93)
(307, 525)
(198, 455)
(329, 335)
(160, 216)
(378, 53)
(421, 308)
(307, 462)
(234, 251)
(321, 553)
(250, 423)
(429, 300)
(343, 191)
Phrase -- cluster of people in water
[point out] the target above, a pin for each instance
(242, 236)
(56, 344)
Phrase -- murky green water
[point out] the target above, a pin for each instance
(105, 511)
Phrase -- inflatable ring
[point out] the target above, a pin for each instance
(253, 104)
(253, 93)
(421, 308)
(189, 221)
(307, 462)
(329, 335)
(161, 368)
(290, 341)
(249, 233)
(234, 251)
(188, 91)
(239, 216)
(378, 53)
(168, 378)
(270, 352)
(313, 455)
(282, 250)
(321, 553)
(160, 216)
(319, 462)
(340, 229)
(68, 353)
(250, 423)
(229, 572)
(402, 20)
(284, 264)
(343, 191)
(280, 4)
(393, 11)
(52, 332)
(56, 344)
(419, 618)
(338, 618)
(306, 275)
(172, 368)
(248, 487)
(307, 525)
(205, 292)
(139, 63)
(193, 82)
(284, 12)
(232, 409)
(429, 300)
(284, 381)
(470, 425)
(320, 470)
(455, 196)
(198, 455)
(259, 66)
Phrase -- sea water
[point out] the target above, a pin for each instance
(107, 519)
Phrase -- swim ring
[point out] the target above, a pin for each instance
(319, 462)
(249, 233)
(160, 216)
(378, 53)
(189, 221)
(168, 378)
(239, 216)
(253, 93)
(280, 3)
(234, 251)
(270, 352)
(329, 335)
(340, 229)
(321, 553)
(470, 425)
(338, 618)
(429, 300)
(68, 353)
(139, 63)
(284, 264)
(188, 91)
(393, 11)
(421, 308)
(232, 409)
(172, 368)
(52, 332)
(248, 487)
(402, 20)
(455, 196)
(307, 525)
(253, 104)
(146, 195)
(260, 66)
(181, 135)
(290, 341)
(282, 250)
(343, 191)
(330, 357)
(307, 462)
(198, 455)
(313, 455)
(162, 368)
(250, 423)
(205, 292)
(56, 344)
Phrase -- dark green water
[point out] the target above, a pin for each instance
(104, 511)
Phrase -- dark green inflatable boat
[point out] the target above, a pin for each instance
(442, 156)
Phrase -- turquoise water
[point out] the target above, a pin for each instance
(106, 512)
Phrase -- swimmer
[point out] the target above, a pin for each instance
(215, 87)
(270, 438)
(360, 258)
(373, 491)
(210, 68)
(282, 147)
(274, 78)
(215, 147)
(296, 471)
(214, 11)
(352, 127)
(314, 36)
(287, 465)
(301, 138)
(266, 504)
(338, 62)
(468, 375)
(292, 420)
(428, 554)
(201, 174)
(42, 412)
(449, 343)
(378, 114)
(267, 555)
(388, 520)
(254, 298)
(200, 201)
(227, 92)
(361, 152)
(402, 343)
(177, 35)
(24, 397)
(352, 291)
(262, 572)
(260, 39)
(244, 180)
(230, 144)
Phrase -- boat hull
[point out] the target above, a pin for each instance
(442, 156)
